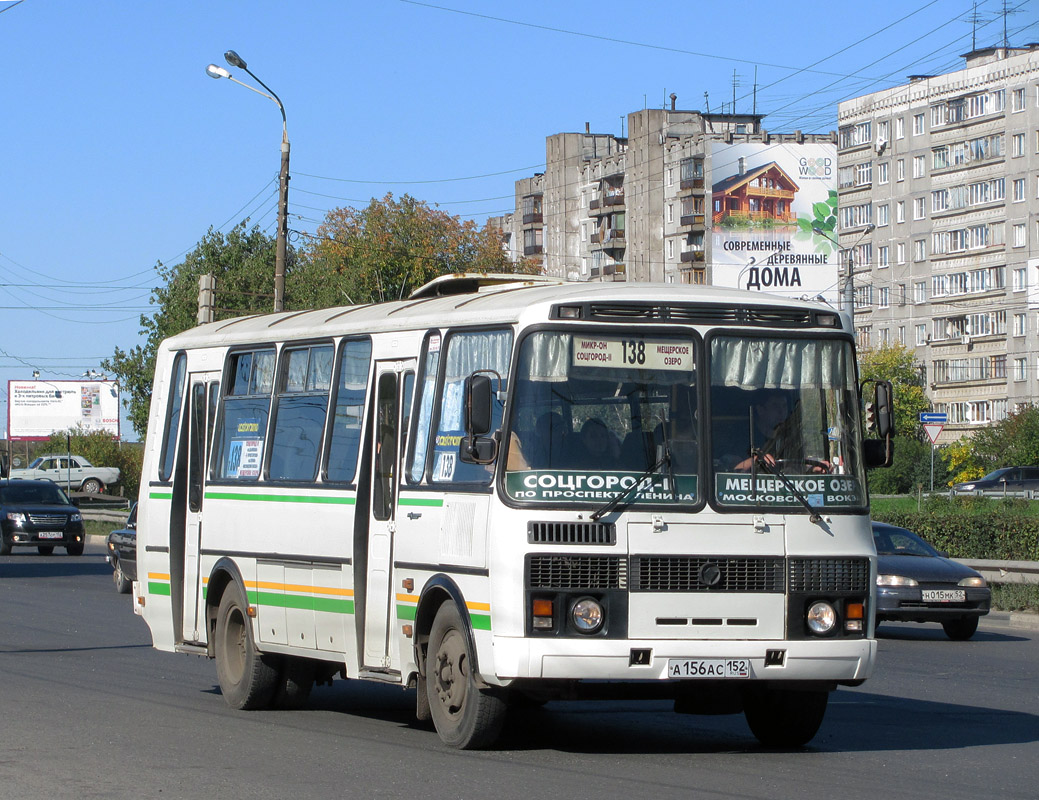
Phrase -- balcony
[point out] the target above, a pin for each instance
(616, 199)
(690, 221)
(611, 240)
(535, 218)
(693, 256)
(533, 249)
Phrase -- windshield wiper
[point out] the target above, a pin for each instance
(759, 460)
(615, 501)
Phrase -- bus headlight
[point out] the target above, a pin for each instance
(821, 618)
(587, 615)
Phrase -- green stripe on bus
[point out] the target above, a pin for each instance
(160, 495)
(158, 588)
(481, 622)
(406, 612)
(282, 498)
(305, 602)
(420, 501)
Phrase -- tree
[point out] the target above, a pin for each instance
(242, 261)
(1010, 442)
(389, 248)
(895, 362)
(101, 450)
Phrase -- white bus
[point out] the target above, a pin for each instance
(507, 489)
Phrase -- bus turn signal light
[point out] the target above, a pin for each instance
(542, 614)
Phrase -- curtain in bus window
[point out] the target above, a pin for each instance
(299, 424)
(425, 411)
(467, 353)
(777, 364)
(169, 445)
(349, 410)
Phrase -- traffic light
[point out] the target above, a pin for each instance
(871, 416)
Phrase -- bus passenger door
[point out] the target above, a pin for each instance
(394, 382)
(203, 394)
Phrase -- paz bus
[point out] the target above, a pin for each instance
(508, 489)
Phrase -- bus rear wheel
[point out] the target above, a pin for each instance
(247, 678)
(465, 716)
(784, 717)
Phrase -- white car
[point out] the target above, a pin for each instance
(74, 473)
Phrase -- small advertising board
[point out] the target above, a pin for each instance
(38, 408)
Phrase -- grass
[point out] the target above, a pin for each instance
(96, 527)
(1015, 596)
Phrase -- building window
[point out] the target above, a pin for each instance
(882, 257)
(919, 166)
(900, 253)
(670, 249)
(1017, 145)
(919, 207)
(1020, 324)
(1019, 190)
(1020, 234)
(883, 131)
(1017, 99)
(882, 168)
(902, 335)
(1020, 280)
(670, 212)
(921, 334)
(1020, 369)
(918, 124)
(855, 135)
(900, 170)
(919, 249)
(900, 128)
(670, 176)
(882, 215)
(900, 211)
(920, 292)
(885, 297)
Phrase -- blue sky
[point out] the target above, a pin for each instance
(120, 152)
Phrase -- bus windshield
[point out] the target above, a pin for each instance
(593, 416)
(785, 423)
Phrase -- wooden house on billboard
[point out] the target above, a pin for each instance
(760, 195)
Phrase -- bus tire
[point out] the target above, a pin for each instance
(465, 716)
(784, 717)
(247, 679)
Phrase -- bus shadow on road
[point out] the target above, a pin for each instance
(922, 632)
(31, 566)
(856, 721)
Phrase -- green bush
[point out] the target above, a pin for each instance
(999, 532)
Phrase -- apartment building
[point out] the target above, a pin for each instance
(638, 207)
(938, 183)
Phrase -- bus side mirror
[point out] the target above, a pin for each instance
(4, 469)
(882, 401)
(476, 446)
(880, 417)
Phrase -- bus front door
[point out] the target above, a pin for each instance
(204, 393)
(394, 384)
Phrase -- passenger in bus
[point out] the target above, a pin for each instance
(596, 448)
(777, 436)
(540, 447)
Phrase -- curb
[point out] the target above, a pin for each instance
(1012, 619)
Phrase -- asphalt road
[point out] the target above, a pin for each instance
(89, 710)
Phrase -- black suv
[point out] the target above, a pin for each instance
(39, 514)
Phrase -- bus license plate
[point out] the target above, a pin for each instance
(50, 534)
(943, 595)
(708, 668)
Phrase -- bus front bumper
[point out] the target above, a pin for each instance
(826, 660)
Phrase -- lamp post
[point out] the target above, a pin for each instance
(848, 285)
(213, 71)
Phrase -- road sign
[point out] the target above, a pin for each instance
(939, 417)
(933, 431)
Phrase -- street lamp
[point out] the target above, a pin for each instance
(213, 71)
(848, 287)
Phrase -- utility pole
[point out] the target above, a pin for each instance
(206, 298)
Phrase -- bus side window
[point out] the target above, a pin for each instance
(467, 352)
(351, 388)
(242, 430)
(424, 412)
(176, 398)
(299, 417)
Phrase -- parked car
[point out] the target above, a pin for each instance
(916, 583)
(122, 553)
(74, 473)
(1010, 479)
(40, 514)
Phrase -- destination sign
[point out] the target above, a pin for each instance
(660, 354)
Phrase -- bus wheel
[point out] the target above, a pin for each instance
(785, 718)
(247, 679)
(465, 716)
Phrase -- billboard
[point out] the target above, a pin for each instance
(36, 408)
(773, 211)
